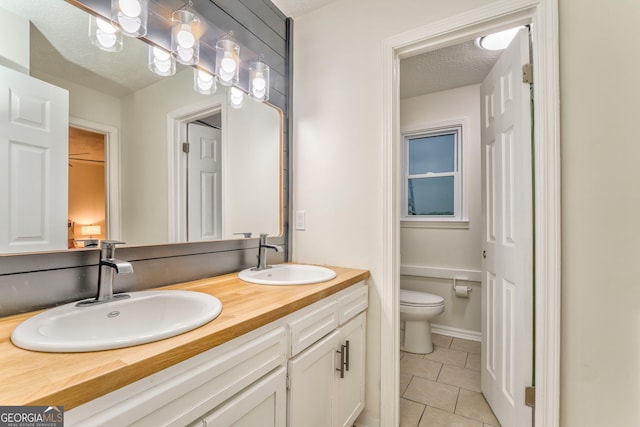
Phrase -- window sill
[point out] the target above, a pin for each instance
(443, 224)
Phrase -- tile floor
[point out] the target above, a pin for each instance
(442, 389)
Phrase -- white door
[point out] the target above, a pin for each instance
(507, 282)
(204, 183)
(34, 119)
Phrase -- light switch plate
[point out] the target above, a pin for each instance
(300, 220)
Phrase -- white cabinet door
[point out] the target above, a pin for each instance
(349, 390)
(34, 147)
(311, 381)
(263, 404)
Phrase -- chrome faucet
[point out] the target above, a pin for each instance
(262, 252)
(109, 267)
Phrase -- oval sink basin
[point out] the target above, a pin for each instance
(146, 316)
(288, 274)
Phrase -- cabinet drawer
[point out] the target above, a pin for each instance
(187, 391)
(312, 326)
(353, 303)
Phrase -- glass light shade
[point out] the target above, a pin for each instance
(103, 35)
(227, 62)
(131, 16)
(236, 97)
(203, 82)
(161, 62)
(185, 33)
(259, 81)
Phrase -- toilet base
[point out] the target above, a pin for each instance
(417, 337)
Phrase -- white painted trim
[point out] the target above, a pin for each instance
(441, 273)
(544, 15)
(456, 332)
(176, 163)
(112, 166)
(442, 224)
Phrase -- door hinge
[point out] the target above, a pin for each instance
(288, 382)
(185, 147)
(530, 396)
(527, 73)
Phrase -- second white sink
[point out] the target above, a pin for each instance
(288, 274)
(146, 316)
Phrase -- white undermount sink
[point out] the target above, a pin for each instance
(146, 316)
(287, 274)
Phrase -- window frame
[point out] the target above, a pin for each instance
(460, 218)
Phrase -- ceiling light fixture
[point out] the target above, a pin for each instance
(131, 16)
(185, 34)
(499, 40)
(161, 62)
(259, 81)
(103, 35)
(227, 62)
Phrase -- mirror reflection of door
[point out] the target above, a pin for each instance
(204, 173)
(87, 198)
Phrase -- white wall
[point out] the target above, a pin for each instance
(14, 41)
(337, 152)
(599, 62)
(446, 247)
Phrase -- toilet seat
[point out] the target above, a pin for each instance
(419, 299)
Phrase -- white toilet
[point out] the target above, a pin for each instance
(416, 310)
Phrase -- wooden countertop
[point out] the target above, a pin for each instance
(71, 379)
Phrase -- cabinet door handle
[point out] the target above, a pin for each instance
(342, 352)
(346, 349)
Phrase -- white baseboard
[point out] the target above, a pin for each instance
(456, 332)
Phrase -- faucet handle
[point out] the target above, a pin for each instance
(108, 247)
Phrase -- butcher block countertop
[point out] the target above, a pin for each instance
(71, 379)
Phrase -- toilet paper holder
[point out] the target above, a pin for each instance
(460, 290)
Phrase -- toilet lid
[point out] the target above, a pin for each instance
(422, 299)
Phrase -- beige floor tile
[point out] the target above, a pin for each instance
(473, 361)
(410, 413)
(465, 345)
(434, 417)
(434, 394)
(472, 404)
(414, 365)
(441, 340)
(460, 377)
(405, 379)
(447, 356)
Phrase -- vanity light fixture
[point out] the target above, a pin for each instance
(259, 81)
(185, 35)
(203, 82)
(227, 62)
(161, 62)
(236, 97)
(103, 35)
(131, 16)
(497, 41)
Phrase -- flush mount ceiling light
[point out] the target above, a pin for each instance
(203, 82)
(103, 35)
(259, 81)
(130, 16)
(161, 62)
(497, 41)
(227, 62)
(185, 33)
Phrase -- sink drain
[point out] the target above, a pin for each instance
(113, 314)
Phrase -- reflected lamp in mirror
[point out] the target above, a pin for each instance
(161, 62)
(227, 62)
(259, 81)
(185, 34)
(103, 35)
(130, 16)
(236, 97)
(90, 230)
(203, 82)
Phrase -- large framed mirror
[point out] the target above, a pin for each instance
(150, 161)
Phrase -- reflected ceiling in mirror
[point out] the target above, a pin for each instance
(144, 118)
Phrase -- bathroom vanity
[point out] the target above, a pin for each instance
(277, 354)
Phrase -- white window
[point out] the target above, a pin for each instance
(433, 175)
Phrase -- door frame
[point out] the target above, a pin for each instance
(543, 14)
(112, 171)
